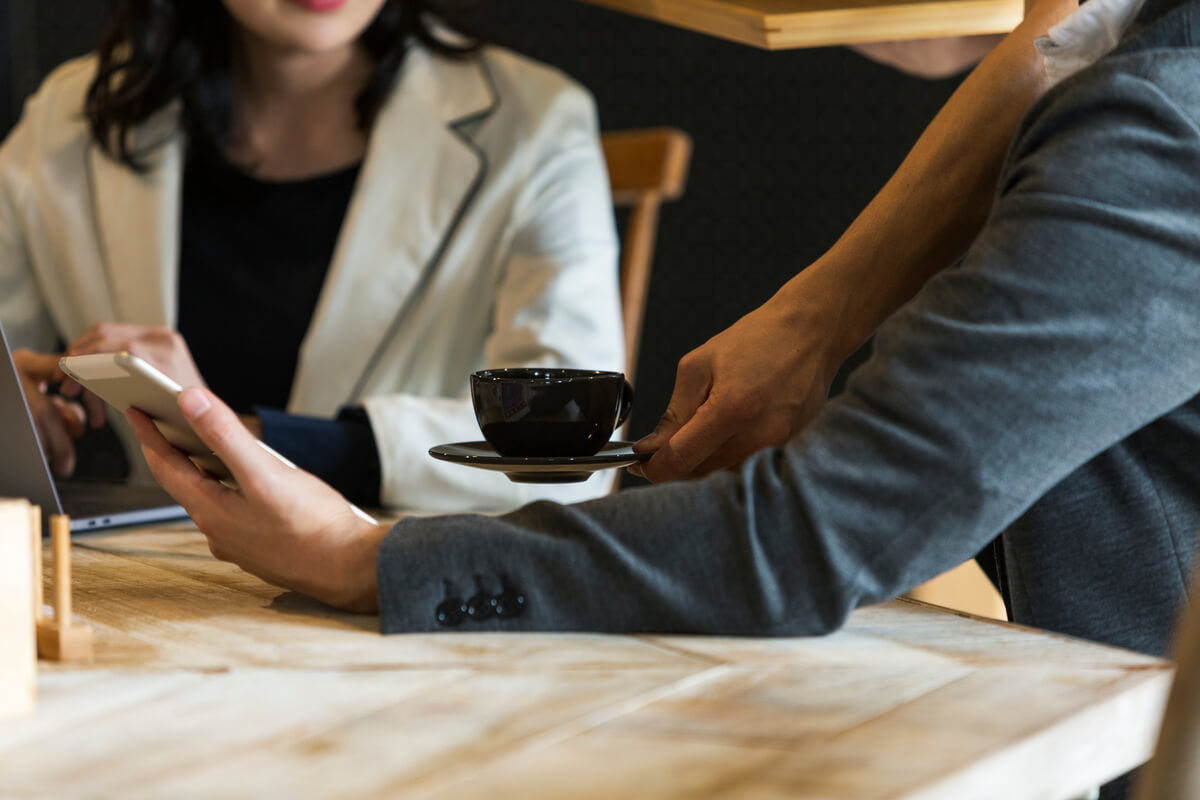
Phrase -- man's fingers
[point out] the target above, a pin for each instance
(693, 379)
(768, 430)
(668, 465)
(690, 446)
(220, 429)
(730, 454)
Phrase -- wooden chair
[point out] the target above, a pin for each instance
(645, 168)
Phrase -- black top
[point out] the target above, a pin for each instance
(253, 257)
(252, 260)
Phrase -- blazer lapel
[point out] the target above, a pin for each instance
(419, 177)
(138, 220)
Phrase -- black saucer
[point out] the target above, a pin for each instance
(543, 469)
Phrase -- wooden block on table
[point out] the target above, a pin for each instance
(18, 657)
(69, 643)
(58, 638)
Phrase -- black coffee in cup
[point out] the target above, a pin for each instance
(536, 412)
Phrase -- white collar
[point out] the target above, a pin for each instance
(1085, 37)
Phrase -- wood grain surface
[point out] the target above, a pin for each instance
(209, 683)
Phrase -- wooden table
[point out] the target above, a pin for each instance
(208, 683)
(782, 24)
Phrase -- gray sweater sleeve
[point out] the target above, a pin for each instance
(1071, 323)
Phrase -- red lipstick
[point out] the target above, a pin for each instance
(319, 6)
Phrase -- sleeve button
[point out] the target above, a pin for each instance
(480, 607)
(450, 612)
(509, 604)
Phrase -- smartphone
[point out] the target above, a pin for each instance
(123, 381)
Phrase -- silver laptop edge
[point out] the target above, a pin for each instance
(24, 471)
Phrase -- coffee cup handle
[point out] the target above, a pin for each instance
(626, 403)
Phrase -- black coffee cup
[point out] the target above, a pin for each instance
(535, 412)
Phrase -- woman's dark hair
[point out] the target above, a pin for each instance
(159, 51)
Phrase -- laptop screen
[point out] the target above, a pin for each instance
(23, 469)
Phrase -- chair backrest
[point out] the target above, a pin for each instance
(645, 168)
(1174, 771)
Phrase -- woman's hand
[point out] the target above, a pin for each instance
(754, 385)
(157, 345)
(58, 421)
(280, 523)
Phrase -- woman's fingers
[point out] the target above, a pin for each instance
(53, 421)
(38, 367)
(171, 468)
(115, 344)
(70, 388)
(56, 441)
(230, 440)
(157, 345)
(102, 333)
(97, 409)
(73, 417)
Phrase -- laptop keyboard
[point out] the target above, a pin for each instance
(94, 498)
(91, 508)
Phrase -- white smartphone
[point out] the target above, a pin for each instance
(123, 381)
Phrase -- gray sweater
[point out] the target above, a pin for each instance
(1037, 401)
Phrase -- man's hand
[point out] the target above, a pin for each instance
(754, 385)
(280, 523)
(761, 381)
(58, 421)
(157, 345)
(941, 57)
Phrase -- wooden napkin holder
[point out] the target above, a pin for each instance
(18, 654)
(26, 632)
(58, 637)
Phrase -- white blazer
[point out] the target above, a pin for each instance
(480, 235)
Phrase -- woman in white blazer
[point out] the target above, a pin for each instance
(478, 231)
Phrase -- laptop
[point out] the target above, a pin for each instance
(92, 504)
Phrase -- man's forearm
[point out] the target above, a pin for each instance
(1068, 328)
(936, 202)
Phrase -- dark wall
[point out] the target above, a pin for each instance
(48, 32)
(789, 146)
(38, 35)
(6, 76)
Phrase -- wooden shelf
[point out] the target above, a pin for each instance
(783, 24)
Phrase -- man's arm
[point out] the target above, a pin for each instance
(940, 57)
(762, 380)
(1069, 325)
